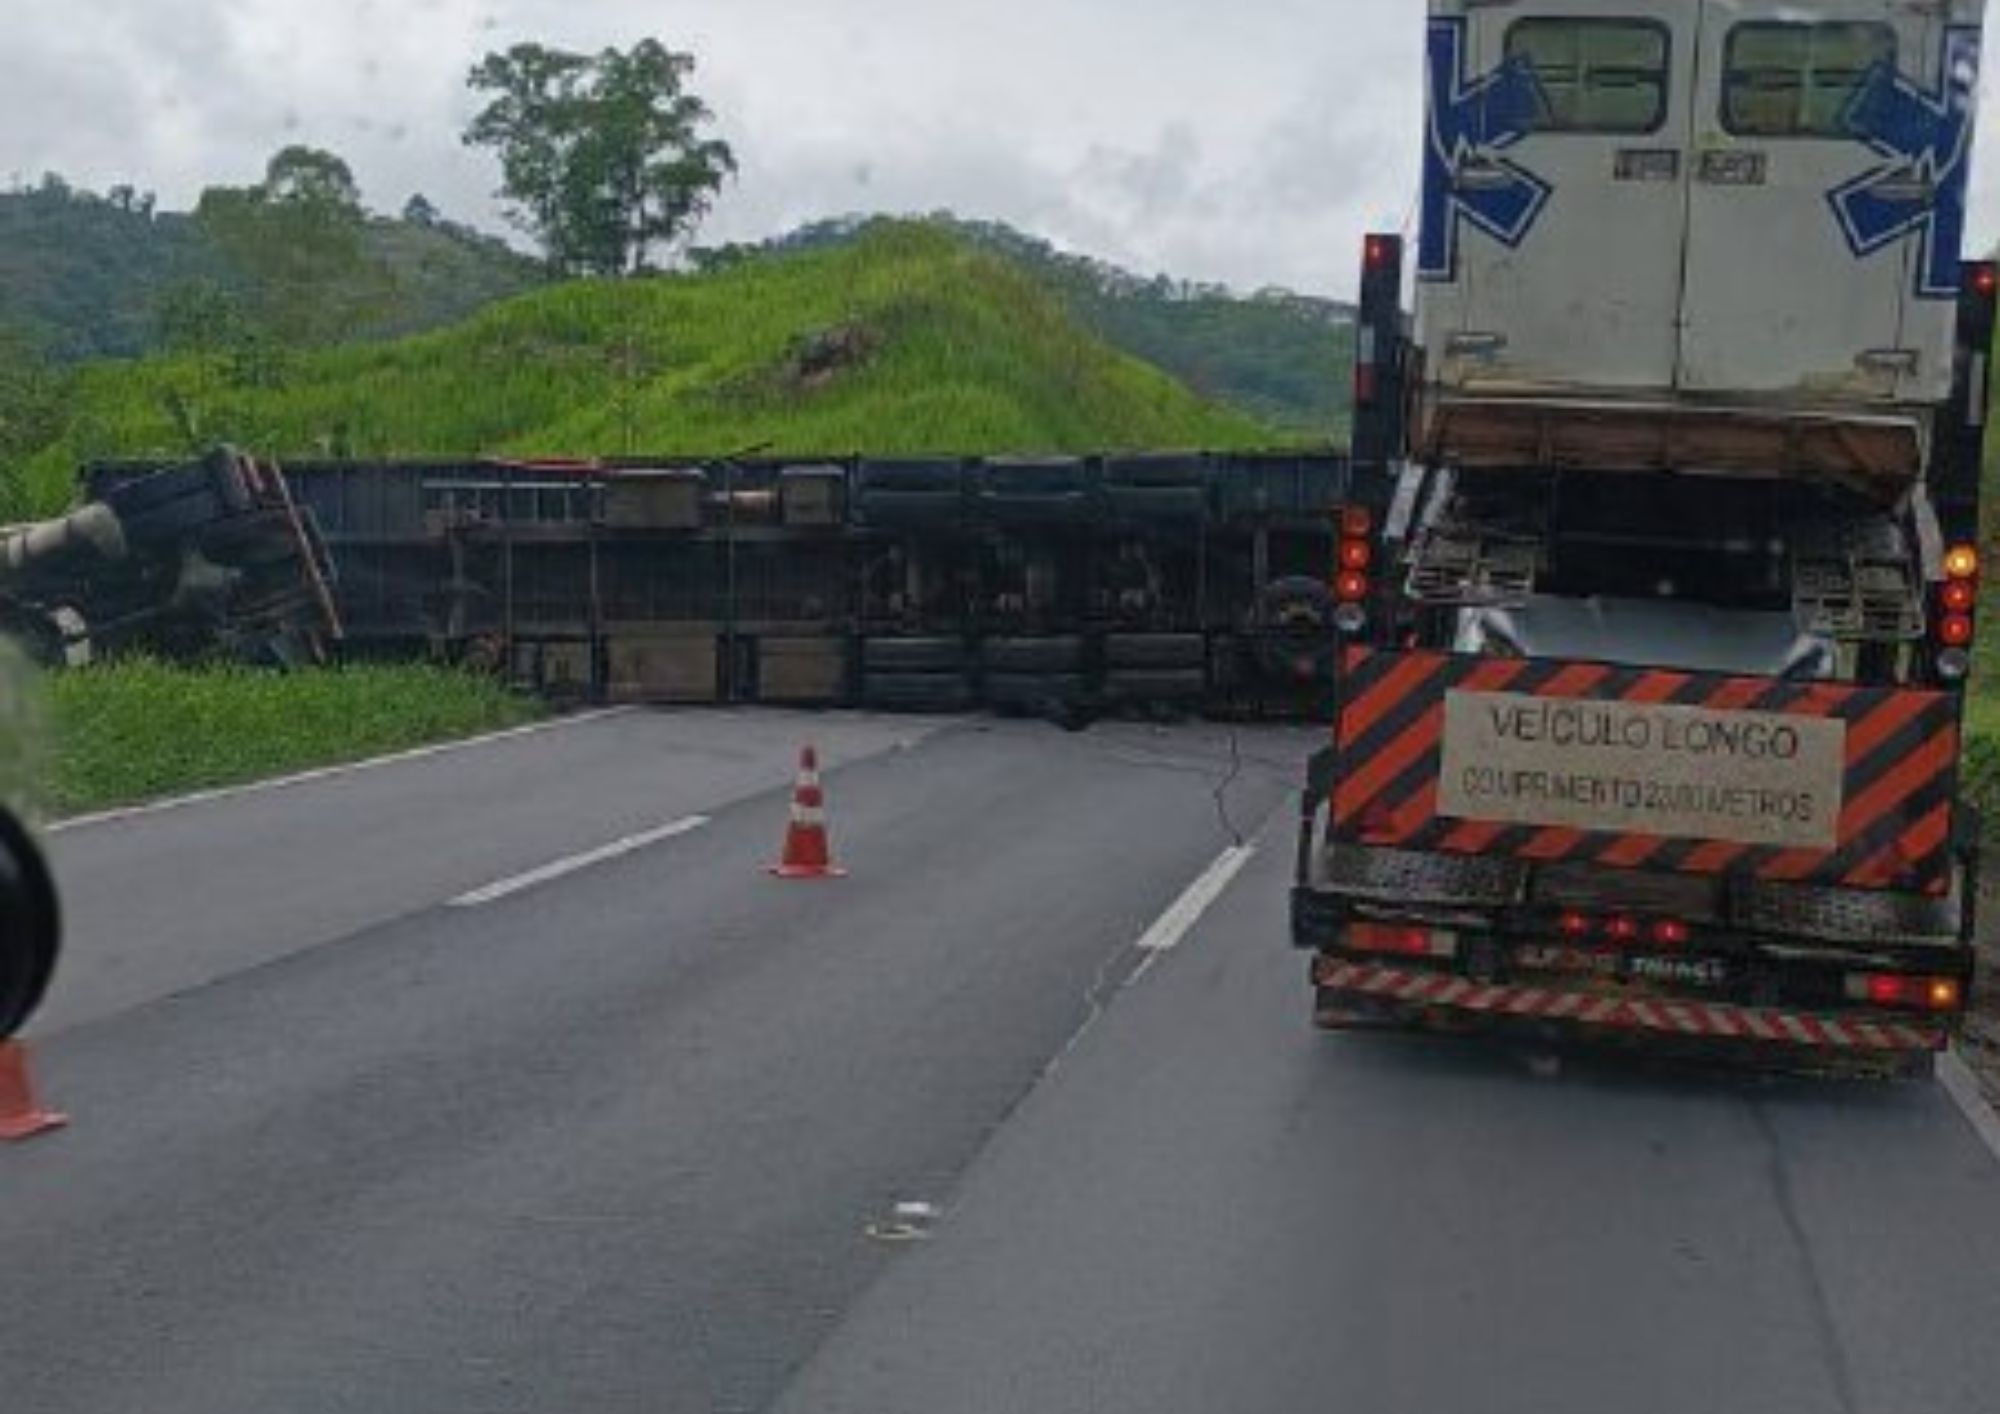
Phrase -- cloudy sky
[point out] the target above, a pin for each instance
(1250, 141)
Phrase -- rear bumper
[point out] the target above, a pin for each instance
(1417, 994)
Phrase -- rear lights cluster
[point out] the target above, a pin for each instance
(1354, 565)
(1957, 621)
(1625, 931)
(1903, 993)
(1397, 940)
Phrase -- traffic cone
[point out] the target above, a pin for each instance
(20, 1116)
(808, 854)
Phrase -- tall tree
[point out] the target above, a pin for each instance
(296, 239)
(603, 157)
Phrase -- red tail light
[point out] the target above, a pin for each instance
(1356, 555)
(1351, 587)
(1622, 930)
(1357, 522)
(1906, 993)
(1956, 631)
(1400, 941)
(1671, 932)
(1574, 925)
(1982, 277)
(1960, 597)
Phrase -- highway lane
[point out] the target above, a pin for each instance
(611, 1143)
(1210, 1208)
(163, 901)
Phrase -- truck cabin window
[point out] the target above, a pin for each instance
(1797, 80)
(1595, 75)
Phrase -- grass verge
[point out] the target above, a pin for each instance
(135, 730)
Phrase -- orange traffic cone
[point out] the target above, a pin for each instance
(20, 1116)
(808, 854)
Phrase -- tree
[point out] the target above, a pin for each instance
(296, 240)
(603, 158)
(418, 211)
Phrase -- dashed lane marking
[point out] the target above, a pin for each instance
(548, 873)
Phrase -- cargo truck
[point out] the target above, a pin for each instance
(1659, 586)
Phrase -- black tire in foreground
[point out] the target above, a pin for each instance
(30, 926)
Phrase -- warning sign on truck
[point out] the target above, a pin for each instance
(1680, 772)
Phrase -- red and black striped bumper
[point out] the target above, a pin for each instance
(1412, 990)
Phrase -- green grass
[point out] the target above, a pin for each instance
(129, 731)
(965, 355)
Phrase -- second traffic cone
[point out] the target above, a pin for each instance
(808, 852)
(20, 1116)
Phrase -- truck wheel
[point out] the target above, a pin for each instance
(914, 655)
(1155, 650)
(1061, 654)
(917, 692)
(1035, 694)
(1178, 685)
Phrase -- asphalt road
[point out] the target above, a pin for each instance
(636, 1138)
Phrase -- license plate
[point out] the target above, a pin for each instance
(1626, 972)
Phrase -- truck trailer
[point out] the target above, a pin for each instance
(1659, 588)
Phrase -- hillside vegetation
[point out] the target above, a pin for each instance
(909, 340)
(86, 276)
(1282, 357)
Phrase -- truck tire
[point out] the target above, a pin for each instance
(1176, 685)
(917, 692)
(914, 655)
(1039, 694)
(1155, 650)
(1063, 653)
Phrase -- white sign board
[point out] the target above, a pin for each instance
(1754, 778)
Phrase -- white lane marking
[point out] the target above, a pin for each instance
(1184, 912)
(1963, 1086)
(547, 873)
(443, 748)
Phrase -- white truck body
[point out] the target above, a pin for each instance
(1697, 203)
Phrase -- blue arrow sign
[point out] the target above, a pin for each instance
(1920, 191)
(1472, 118)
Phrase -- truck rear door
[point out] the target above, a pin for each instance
(1555, 191)
(1826, 198)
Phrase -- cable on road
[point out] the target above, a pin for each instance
(1221, 792)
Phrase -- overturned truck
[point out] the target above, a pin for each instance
(213, 555)
(1058, 586)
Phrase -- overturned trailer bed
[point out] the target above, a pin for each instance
(1062, 585)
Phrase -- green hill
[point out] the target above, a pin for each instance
(84, 275)
(1284, 358)
(908, 340)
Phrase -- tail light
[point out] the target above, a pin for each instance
(1956, 623)
(1353, 559)
(1940, 994)
(1624, 930)
(1398, 941)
